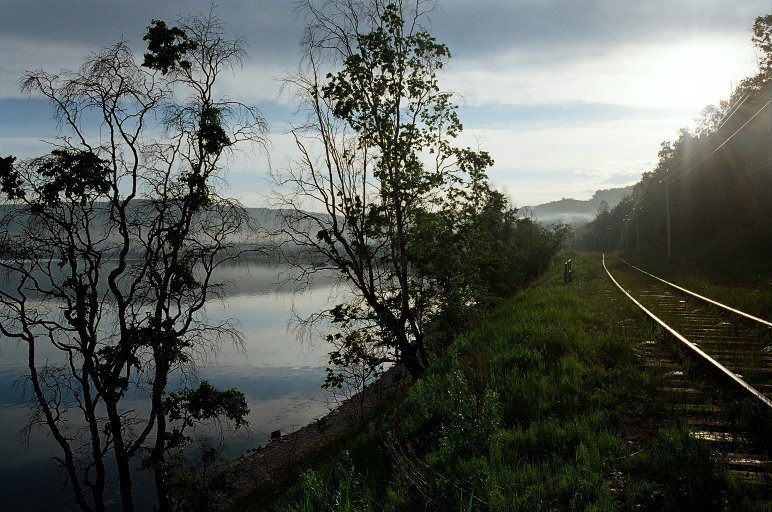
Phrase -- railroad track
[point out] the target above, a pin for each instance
(716, 375)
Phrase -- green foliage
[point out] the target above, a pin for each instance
(77, 175)
(675, 472)
(183, 279)
(197, 193)
(211, 132)
(390, 71)
(167, 47)
(188, 407)
(64, 175)
(465, 253)
(462, 244)
(530, 411)
(412, 222)
(10, 181)
(195, 479)
(762, 38)
(530, 249)
(339, 489)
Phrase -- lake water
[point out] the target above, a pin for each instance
(280, 376)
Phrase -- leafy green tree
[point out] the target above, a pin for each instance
(762, 39)
(111, 242)
(459, 249)
(377, 159)
(710, 119)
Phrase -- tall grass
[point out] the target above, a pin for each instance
(545, 406)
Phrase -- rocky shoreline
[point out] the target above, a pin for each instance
(279, 461)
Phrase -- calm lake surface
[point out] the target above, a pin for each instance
(280, 376)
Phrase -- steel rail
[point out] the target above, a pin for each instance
(694, 348)
(701, 297)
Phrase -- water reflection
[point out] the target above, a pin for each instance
(280, 377)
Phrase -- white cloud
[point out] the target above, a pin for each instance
(20, 55)
(23, 146)
(256, 83)
(248, 173)
(544, 164)
(688, 74)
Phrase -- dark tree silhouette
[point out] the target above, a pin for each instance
(383, 129)
(112, 241)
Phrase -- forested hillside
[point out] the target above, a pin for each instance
(576, 212)
(714, 182)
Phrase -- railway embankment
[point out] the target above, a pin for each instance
(567, 398)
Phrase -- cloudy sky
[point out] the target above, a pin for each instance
(569, 96)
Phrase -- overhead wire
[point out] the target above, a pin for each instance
(677, 175)
(731, 112)
(727, 117)
(723, 143)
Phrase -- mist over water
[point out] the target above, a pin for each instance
(280, 376)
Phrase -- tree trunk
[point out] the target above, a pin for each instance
(122, 460)
(410, 358)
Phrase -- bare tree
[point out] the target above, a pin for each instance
(112, 241)
(376, 158)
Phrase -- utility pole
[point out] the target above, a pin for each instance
(625, 232)
(637, 233)
(667, 214)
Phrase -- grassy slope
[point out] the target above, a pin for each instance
(543, 407)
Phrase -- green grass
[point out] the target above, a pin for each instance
(544, 406)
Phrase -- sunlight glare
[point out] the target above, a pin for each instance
(695, 73)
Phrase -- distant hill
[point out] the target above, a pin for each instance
(573, 211)
(269, 219)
